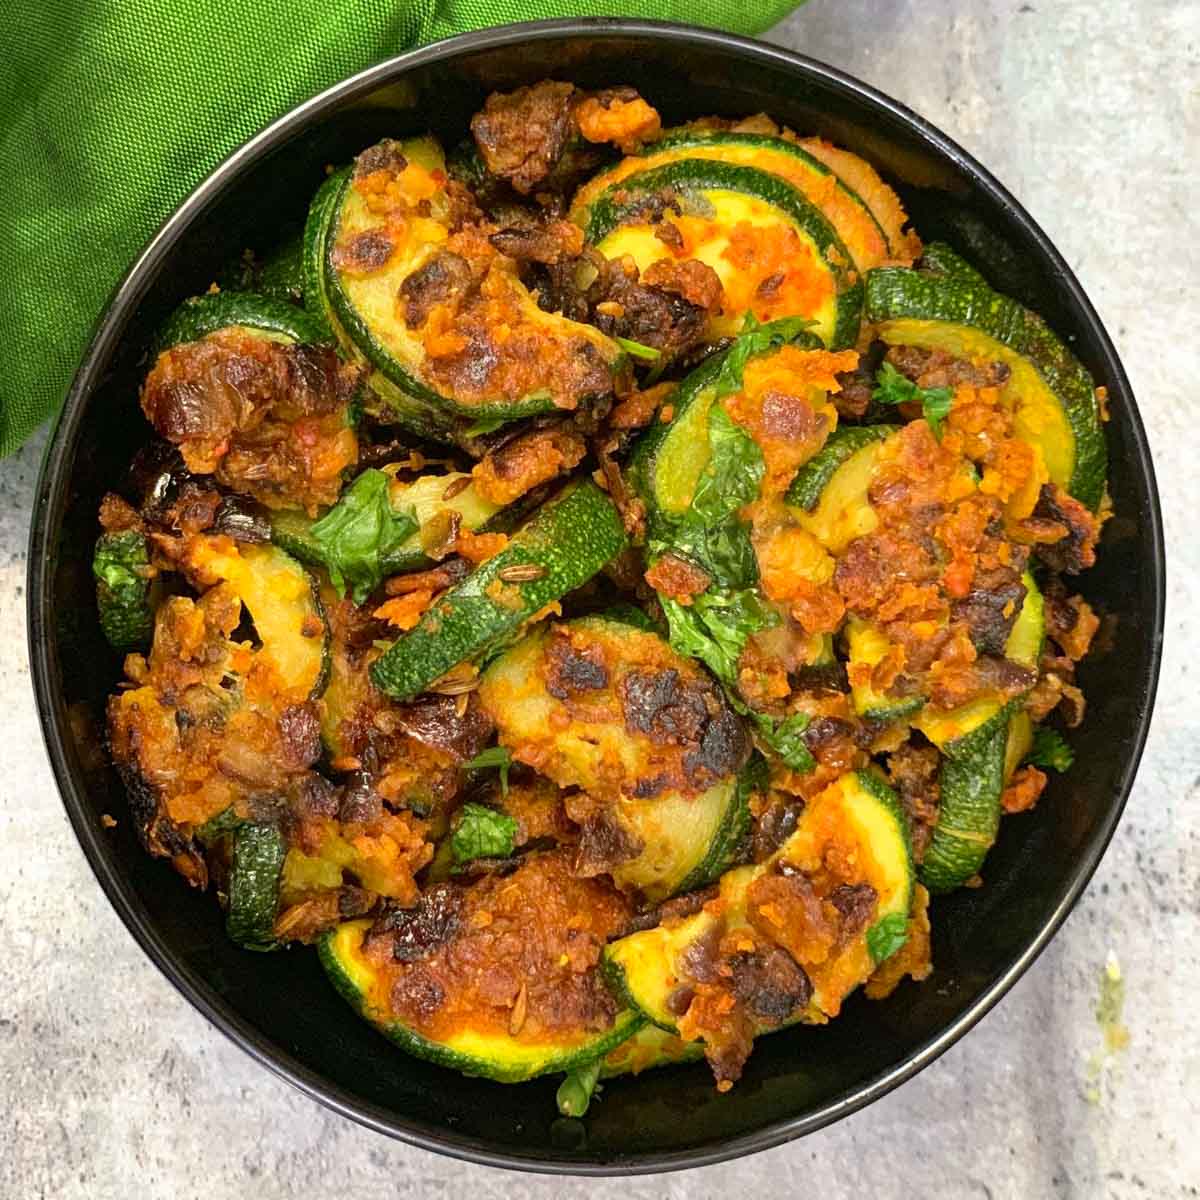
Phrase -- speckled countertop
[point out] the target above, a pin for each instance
(112, 1086)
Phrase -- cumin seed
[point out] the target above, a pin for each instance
(521, 573)
(457, 487)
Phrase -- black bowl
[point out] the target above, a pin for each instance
(279, 1007)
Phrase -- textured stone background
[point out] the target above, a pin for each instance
(111, 1086)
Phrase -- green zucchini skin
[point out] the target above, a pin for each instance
(972, 781)
(725, 847)
(215, 828)
(870, 705)
(644, 460)
(811, 480)
(258, 854)
(124, 592)
(698, 175)
(894, 293)
(693, 138)
(571, 537)
(201, 315)
(939, 259)
(281, 276)
(312, 251)
(406, 411)
(649, 1048)
(330, 950)
(406, 398)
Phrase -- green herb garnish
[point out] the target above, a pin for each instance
(1050, 750)
(786, 738)
(485, 426)
(482, 833)
(494, 756)
(755, 339)
(359, 531)
(575, 1092)
(892, 388)
(638, 349)
(886, 936)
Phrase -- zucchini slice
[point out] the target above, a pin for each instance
(569, 539)
(687, 841)
(878, 196)
(285, 604)
(254, 875)
(125, 589)
(480, 1023)
(866, 645)
(265, 316)
(557, 361)
(1052, 396)
(939, 259)
(862, 816)
(587, 699)
(399, 408)
(1024, 646)
(732, 215)
(853, 220)
(983, 742)
(972, 781)
(669, 459)
(473, 1052)
(426, 496)
(829, 493)
(599, 705)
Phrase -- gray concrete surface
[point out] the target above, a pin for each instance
(111, 1086)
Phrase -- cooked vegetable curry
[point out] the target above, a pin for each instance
(602, 608)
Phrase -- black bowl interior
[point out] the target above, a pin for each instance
(280, 1005)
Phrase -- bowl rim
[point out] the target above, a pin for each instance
(50, 502)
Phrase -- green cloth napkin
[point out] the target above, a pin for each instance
(111, 111)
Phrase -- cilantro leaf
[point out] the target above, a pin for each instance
(755, 339)
(786, 738)
(1050, 750)
(482, 833)
(733, 473)
(894, 388)
(484, 426)
(358, 531)
(494, 756)
(638, 349)
(715, 627)
(710, 532)
(886, 936)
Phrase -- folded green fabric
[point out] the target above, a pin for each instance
(111, 111)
